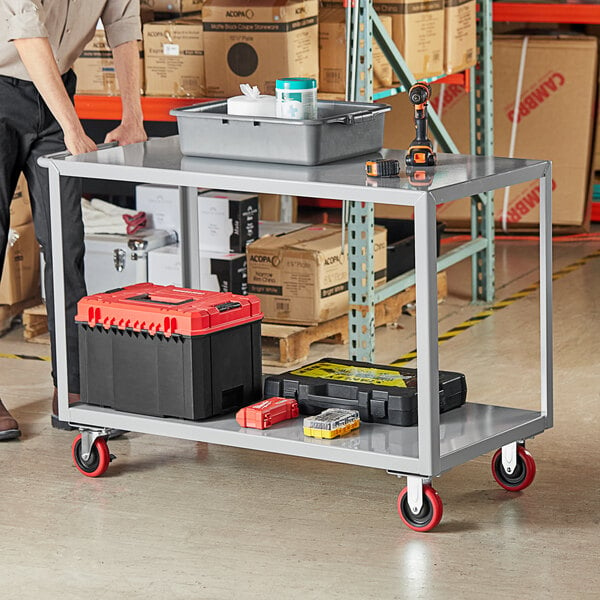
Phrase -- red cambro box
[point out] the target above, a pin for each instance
(170, 352)
(268, 412)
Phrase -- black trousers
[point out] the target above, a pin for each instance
(27, 131)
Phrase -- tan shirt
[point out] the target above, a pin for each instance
(68, 24)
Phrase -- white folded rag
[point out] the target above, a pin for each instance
(103, 217)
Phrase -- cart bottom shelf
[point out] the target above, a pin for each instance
(465, 433)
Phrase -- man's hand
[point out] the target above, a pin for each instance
(79, 143)
(127, 133)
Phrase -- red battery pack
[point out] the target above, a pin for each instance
(268, 412)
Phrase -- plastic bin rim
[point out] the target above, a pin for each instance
(201, 111)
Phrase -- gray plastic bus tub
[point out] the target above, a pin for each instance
(343, 130)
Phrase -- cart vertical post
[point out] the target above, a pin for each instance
(190, 242)
(427, 334)
(58, 284)
(546, 295)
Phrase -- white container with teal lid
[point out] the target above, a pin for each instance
(296, 98)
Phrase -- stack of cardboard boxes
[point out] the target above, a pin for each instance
(209, 47)
(20, 281)
(228, 222)
(301, 276)
(553, 120)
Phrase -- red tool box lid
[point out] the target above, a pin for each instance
(167, 310)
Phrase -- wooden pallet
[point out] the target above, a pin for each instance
(287, 345)
(35, 323)
(8, 313)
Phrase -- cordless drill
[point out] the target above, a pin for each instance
(420, 152)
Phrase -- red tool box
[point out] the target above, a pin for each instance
(263, 415)
(170, 352)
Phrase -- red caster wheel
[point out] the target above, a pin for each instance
(521, 477)
(98, 460)
(430, 514)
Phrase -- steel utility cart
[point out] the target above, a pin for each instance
(420, 453)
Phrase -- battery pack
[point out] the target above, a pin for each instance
(331, 423)
(380, 393)
(267, 413)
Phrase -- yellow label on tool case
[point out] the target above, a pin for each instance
(339, 372)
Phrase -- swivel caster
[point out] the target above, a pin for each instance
(422, 512)
(513, 467)
(90, 453)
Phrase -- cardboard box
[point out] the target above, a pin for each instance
(596, 155)
(278, 228)
(550, 125)
(228, 221)
(95, 68)
(21, 273)
(418, 32)
(302, 277)
(218, 272)
(161, 203)
(20, 207)
(174, 58)
(168, 9)
(332, 52)
(256, 43)
(461, 35)
(273, 207)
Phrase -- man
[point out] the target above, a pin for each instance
(39, 42)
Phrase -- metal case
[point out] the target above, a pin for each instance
(113, 260)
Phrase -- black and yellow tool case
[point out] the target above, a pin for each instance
(381, 393)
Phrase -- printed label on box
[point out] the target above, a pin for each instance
(171, 49)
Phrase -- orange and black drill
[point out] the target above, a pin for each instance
(420, 152)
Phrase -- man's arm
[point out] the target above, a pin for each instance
(36, 54)
(127, 67)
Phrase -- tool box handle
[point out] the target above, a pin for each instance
(225, 306)
(363, 409)
(147, 298)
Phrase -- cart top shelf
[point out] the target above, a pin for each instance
(160, 161)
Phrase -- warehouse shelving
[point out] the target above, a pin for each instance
(109, 107)
(363, 25)
(532, 12)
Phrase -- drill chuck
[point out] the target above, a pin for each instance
(419, 93)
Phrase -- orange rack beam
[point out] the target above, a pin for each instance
(523, 12)
(108, 108)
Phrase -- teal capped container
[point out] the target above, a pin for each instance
(296, 98)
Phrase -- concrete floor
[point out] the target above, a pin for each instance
(176, 519)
